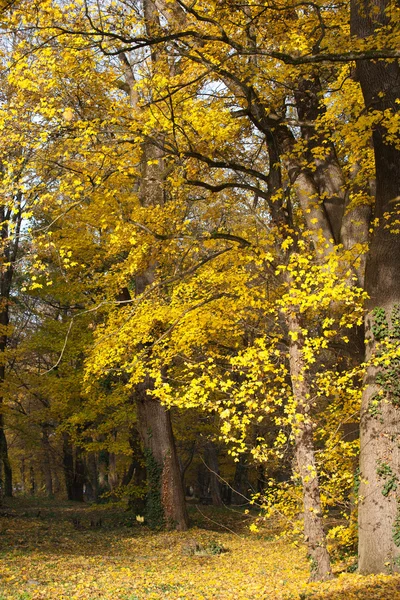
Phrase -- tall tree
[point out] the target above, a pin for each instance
(380, 416)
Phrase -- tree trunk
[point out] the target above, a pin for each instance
(46, 462)
(32, 481)
(380, 410)
(211, 460)
(103, 464)
(5, 466)
(154, 422)
(305, 457)
(9, 250)
(163, 473)
(137, 468)
(112, 471)
(73, 470)
(23, 475)
(240, 493)
(379, 517)
(92, 494)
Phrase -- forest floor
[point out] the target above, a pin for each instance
(60, 551)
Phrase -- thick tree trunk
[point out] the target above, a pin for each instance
(379, 522)
(164, 477)
(305, 457)
(379, 515)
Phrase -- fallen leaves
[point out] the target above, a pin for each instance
(47, 559)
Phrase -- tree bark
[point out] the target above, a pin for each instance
(305, 457)
(380, 411)
(155, 429)
(5, 466)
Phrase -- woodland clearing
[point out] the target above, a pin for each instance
(55, 550)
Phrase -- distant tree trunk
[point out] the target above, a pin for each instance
(5, 466)
(103, 466)
(73, 470)
(137, 469)
(154, 424)
(56, 481)
(240, 493)
(211, 460)
(260, 479)
(136, 474)
(23, 475)
(379, 515)
(10, 227)
(202, 481)
(92, 477)
(32, 482)
(305, 457)
(112, 471)
(46, 461)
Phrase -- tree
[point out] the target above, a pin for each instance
(241, 174)
(379, 460)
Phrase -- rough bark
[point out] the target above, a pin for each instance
(305, 457)
(380, 415)
(154, 424)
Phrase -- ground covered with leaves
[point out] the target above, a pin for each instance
(65, 552)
